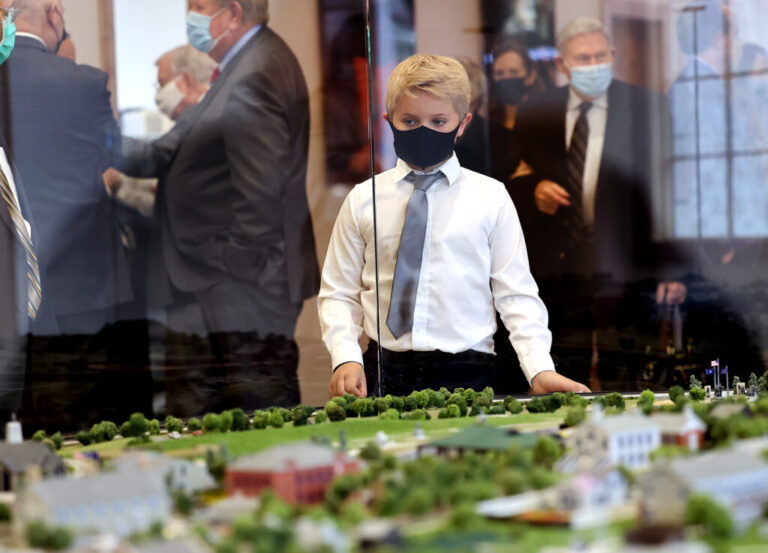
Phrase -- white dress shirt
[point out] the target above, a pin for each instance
(597, 117)
(6, 168)
(474, 258)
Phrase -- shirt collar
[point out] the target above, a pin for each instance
(574, 100)
(30, 35)
(238, 46)
(450, 168)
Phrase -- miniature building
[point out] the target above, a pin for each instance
(17, 458)
(180, 474)
(725, 410)
(736, 478)
(681, 429)
(298, 473)
(119, 503)
(626, 439)
(481, 439)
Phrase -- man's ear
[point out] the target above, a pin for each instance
(237, 15)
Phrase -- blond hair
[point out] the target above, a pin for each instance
(579, 27)
(254, 11)
(439, 75)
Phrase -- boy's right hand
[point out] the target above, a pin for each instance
(349, 378)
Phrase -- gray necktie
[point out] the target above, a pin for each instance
(408, 267)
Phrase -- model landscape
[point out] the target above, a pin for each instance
(434, 471)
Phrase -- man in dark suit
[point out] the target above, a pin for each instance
(593, 150)
(65, 136)
(20, 286)
(234, 226)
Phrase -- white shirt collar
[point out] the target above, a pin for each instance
(450, 168)
(30, 35)
(574, 100)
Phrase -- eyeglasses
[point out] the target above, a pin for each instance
(8, 15)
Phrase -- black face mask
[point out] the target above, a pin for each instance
(422, 147)
(509, 91)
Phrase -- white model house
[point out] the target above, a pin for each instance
(119, 503)
(736, 478)
(179, 474)
(626, 439)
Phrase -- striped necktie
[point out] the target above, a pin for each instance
(405, 281)
(577, 154)
(34, 294)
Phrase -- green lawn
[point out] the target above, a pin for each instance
(357, 431)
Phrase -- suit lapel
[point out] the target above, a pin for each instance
(617, 130)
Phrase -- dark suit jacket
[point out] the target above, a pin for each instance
(64, 137)
(232, 200)
(623, 218)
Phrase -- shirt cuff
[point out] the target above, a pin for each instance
(346, 353)
(535, 363)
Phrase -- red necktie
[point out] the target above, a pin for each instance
(216, 73)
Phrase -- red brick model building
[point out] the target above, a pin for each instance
(297, 473)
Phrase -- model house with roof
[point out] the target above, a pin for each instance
(602, 441)
(479, 439)
(297, 473)
(681, 429)
(16, 460)
(120, 503)
(586, 500)
(736, 478)
(179, 474)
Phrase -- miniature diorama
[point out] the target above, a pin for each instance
(434, 470)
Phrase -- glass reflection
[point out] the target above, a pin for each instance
(179, 228)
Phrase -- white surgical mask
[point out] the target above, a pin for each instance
(169, 97)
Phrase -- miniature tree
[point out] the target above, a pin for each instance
(541, 478)
(322, 416)
(445, 392)
(497, 409)
(370, 452)
(753, 383)
(154, 427)
(437, 399)
(172, 424)
(736, 382)
(482, 401)
(390, 415)
(512, 481)
(398, 403)
(225, 421)
(98, 433)
(694, 382)
(359, 406)
(211, 422)
(536, 405)
(575, 416)
(194, 424)
(39, 436)
(762, 384)
(335, 412)
(460, 401)
(139, 425)
(216, 461)
(454, 411)
(615, 400)
(513, 405)
(381, 405)
(418, 501)
(489, 393)
(702, 510)
(260, 420)
(5, 513)
(575, 400)
(646, 401)
(546, 451)
(469, 395)
(697, 394)
(240, 420)
(84, 437)
(58, 440)
(410, 403)
(125, 429)
(675, 393)
(41, 536)
(276, 420)
(182, 502)
(300, 415)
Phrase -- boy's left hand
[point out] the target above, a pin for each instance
(548, 382)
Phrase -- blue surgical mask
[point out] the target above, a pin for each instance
(9, 40)
(592, 80)
(199, 31)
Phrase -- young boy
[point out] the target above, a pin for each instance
(450, 249)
